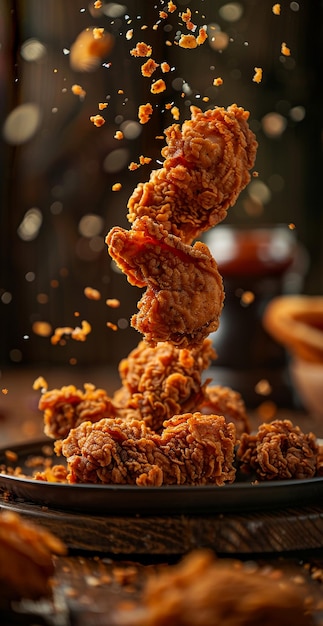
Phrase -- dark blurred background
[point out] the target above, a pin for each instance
(58, 169)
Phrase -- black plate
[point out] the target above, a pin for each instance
(239, 497)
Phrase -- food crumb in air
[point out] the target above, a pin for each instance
(116, 187)
(206, 99)
(78, 333)
(97, 4)
(163, 15)
(77, 90)
(257, 75)
(97, 120)
(276, 9)
(187, 41)
(285, 50)
(165, 67)
(263, 387)
(158, 86)
(218, 81)
(129, 34)
(266, 411)
(247, 298)
(41, 328)
(141, 50)
(202, 36)
(171, 7)
(40, 383)
(148, 68)
(112, 326)
(91, 293)
(255, 174)
(98, 33)
(175, 113)
(144, 113)
(11, 455)
(118, 135)
(4, 391)
(144, 160)
(291, 226)
(133, 166)
(102, 106)
(114, 303)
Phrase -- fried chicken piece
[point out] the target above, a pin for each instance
(207, 163)
(227, 402)
(184, 296)
(26, 558)
(279, 450)
(67, 407)
(162, 381)
(202, 590)
(193, 449)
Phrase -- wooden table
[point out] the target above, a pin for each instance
(110, 556)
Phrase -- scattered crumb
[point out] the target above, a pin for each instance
(11, 455)
(102, 105)
(276, 9)
(97, 4)
(165, 67)
(175, 113)
(285, 50)
(116, 187)
(141, 50)
(97, 120)
(218, 81)
(77, 90)
(78, 333)
(158, 86)
(148, 68)
(144, 160)
(129, 34)
(263, 387)
(163, 15)
(4, 391)
(112, 326)
(114, 303)
(187, 41)
(40, 383)
(118, 135)
(144, 113)
(133, 166)
(171, 7)
(202, 36)
(258, 75)
(98, 33)
(92, 294)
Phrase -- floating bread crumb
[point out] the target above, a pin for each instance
(158, 86)
(141, 50)
(148, 68)
(285, 50)
(97, 120)
(144, 113)
(257, 78)
(276, 9)
(92, 294)
(116, 187)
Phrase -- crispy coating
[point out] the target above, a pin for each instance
(203, 591)
(26, 562)
(162, 381)
(206, 166)
(193, 449)
(184, 296)
(67, 407)
(227, 402)
(279, 450)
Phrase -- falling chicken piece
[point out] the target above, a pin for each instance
(184, 295)
(207, 163)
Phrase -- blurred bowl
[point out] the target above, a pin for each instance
(307, 379)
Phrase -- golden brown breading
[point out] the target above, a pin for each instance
(162, 381)
(26, 563)
(193, 449)
(184, 295)
(227, 402)
(204, 591)
(279, 450)
(207, 163)
(67, 407)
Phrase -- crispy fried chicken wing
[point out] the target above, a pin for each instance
(203, 590)
(67, 407)
(184, 295)
(162, 381)
(207, 164)
(279, 450)
(26, 558)
(193, 449)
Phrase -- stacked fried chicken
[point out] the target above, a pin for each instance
(165, 425)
